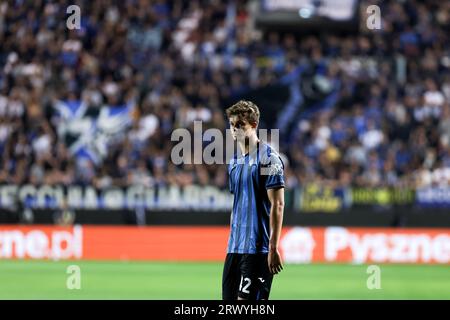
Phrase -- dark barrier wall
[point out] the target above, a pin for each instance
(356, 216)
(310, 205)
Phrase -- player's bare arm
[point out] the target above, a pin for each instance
(276, 198)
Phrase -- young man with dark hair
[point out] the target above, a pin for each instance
(257, 181)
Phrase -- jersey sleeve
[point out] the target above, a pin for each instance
(272, 171)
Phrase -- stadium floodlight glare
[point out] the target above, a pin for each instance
(305, 13)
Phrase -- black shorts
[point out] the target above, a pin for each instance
(246, 276)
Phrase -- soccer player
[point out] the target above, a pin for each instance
(256, 179)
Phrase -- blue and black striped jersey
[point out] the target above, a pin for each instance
(249, 178)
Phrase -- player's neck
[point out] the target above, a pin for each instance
(249, 144)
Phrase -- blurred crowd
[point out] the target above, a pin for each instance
(177, 61)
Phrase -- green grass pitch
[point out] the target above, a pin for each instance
(193, 280)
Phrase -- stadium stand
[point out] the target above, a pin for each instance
(95, 105)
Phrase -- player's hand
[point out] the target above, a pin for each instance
(274, 261)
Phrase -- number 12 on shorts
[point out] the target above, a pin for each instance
(248, 282)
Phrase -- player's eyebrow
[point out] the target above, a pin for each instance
(237, 123)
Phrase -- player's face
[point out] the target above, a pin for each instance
(240, 128)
